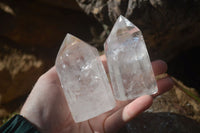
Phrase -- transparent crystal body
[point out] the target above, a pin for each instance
(83, 79)
(128, 61)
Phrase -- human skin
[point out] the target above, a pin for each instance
(47, 109)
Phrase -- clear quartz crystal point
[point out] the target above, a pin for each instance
(129, 65)
(83, 79)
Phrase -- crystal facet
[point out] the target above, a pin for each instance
(128, 61)
(83, 79)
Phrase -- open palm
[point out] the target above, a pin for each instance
(46, 106)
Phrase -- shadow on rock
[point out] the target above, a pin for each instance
(163, 123)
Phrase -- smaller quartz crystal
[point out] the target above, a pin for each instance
(83, 79)
(128, 61)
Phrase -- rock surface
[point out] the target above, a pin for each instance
(168, 26)
(163, 123)
(19, 70)
(178, 102)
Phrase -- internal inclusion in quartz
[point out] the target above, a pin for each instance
(83, 79)
(128, 61)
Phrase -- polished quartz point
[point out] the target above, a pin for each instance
(128, 62)
(83, 79)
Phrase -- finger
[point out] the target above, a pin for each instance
(51, 72)
(50, 76)
(164, 85)
(159, 67)
(130, 111)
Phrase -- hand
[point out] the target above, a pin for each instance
(47, 108)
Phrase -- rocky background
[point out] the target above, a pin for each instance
(31, 33)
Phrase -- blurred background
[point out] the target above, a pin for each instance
(31, 33)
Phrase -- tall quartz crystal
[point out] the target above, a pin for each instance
(83, 79)
(128, 61)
